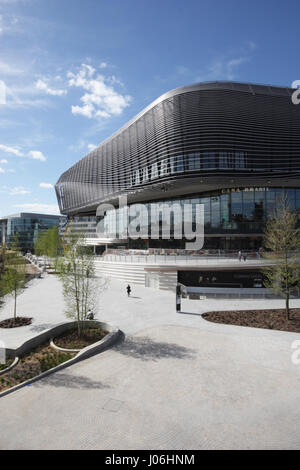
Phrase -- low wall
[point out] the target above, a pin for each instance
(32, 343)
(113, 335)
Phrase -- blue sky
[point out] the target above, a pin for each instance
(75, 71)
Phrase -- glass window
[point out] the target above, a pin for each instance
(179, 164)
(154, 171)
(164, 170)
(145, 174)
(215, 211)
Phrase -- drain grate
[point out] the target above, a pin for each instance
(112, 405)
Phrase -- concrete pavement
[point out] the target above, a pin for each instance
(176, 382)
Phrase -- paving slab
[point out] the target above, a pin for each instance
(176, 381)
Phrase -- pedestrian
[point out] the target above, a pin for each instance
(245, 256)
(90, 315)
(128, 288)
(240, 255)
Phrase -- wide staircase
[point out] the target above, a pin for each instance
(132, 273)
(137, 274)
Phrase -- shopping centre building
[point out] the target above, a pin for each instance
(233, 147)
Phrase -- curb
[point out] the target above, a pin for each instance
(53, 345)
(84, 353)
(15, 362)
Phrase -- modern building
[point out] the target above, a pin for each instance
(26, 226)
(234, 147)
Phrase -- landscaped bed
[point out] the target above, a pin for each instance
(4, 366)
(70, 339)
(14, 323)
(269, 319)
(34, 363)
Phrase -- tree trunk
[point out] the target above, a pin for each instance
(78, 326)
(15, 307)
(287, 309)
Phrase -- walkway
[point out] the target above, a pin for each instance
(176, 382)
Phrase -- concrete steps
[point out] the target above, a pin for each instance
(133, 273)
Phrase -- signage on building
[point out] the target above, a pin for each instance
(238, 190)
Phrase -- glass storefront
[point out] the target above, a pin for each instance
(233, 218)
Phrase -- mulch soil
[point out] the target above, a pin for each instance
(19, 321)
(70, 339)
(269, 319)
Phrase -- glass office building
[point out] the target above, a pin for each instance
(26, 226)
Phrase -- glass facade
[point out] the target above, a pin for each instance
(26, 227)
(228, 214)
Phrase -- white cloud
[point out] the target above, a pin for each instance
(36, 155)
(3, 161)
(18, 190)
(39, 208)
(100, 100)
(46, 185)
(12, 150)
(90, 147)
(103, 65)
(225, 68)
(42, 85)
(8, 69)
(1, 170)
(233, 64)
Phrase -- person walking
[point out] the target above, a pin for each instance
(240, 255)
(245, 256)
(128, 288)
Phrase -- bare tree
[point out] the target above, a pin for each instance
(80, 286)
(282, 240)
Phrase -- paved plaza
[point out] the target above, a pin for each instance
(176, 381)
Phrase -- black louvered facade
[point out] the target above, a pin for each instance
(192, 140)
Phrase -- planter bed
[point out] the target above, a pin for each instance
(36, 358)
(273, 319)
(70, 340)
(20, 321)
(5, 366)
(32, 364)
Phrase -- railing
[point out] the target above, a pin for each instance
(255, 254)
(179, 259)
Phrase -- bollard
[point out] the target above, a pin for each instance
(178, 298)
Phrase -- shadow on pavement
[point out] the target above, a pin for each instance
(148, 350)
(70, 381)
(42, 327)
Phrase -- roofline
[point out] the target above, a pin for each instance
(209, 85)
(219, 85)
(30, 214)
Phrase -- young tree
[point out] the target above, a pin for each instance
(13, 277)
(282, 240)
(40, 245)
(80, 287)
(49, 244)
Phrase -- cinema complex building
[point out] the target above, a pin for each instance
(233, 147)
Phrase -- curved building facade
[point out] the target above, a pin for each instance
(234, 147)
